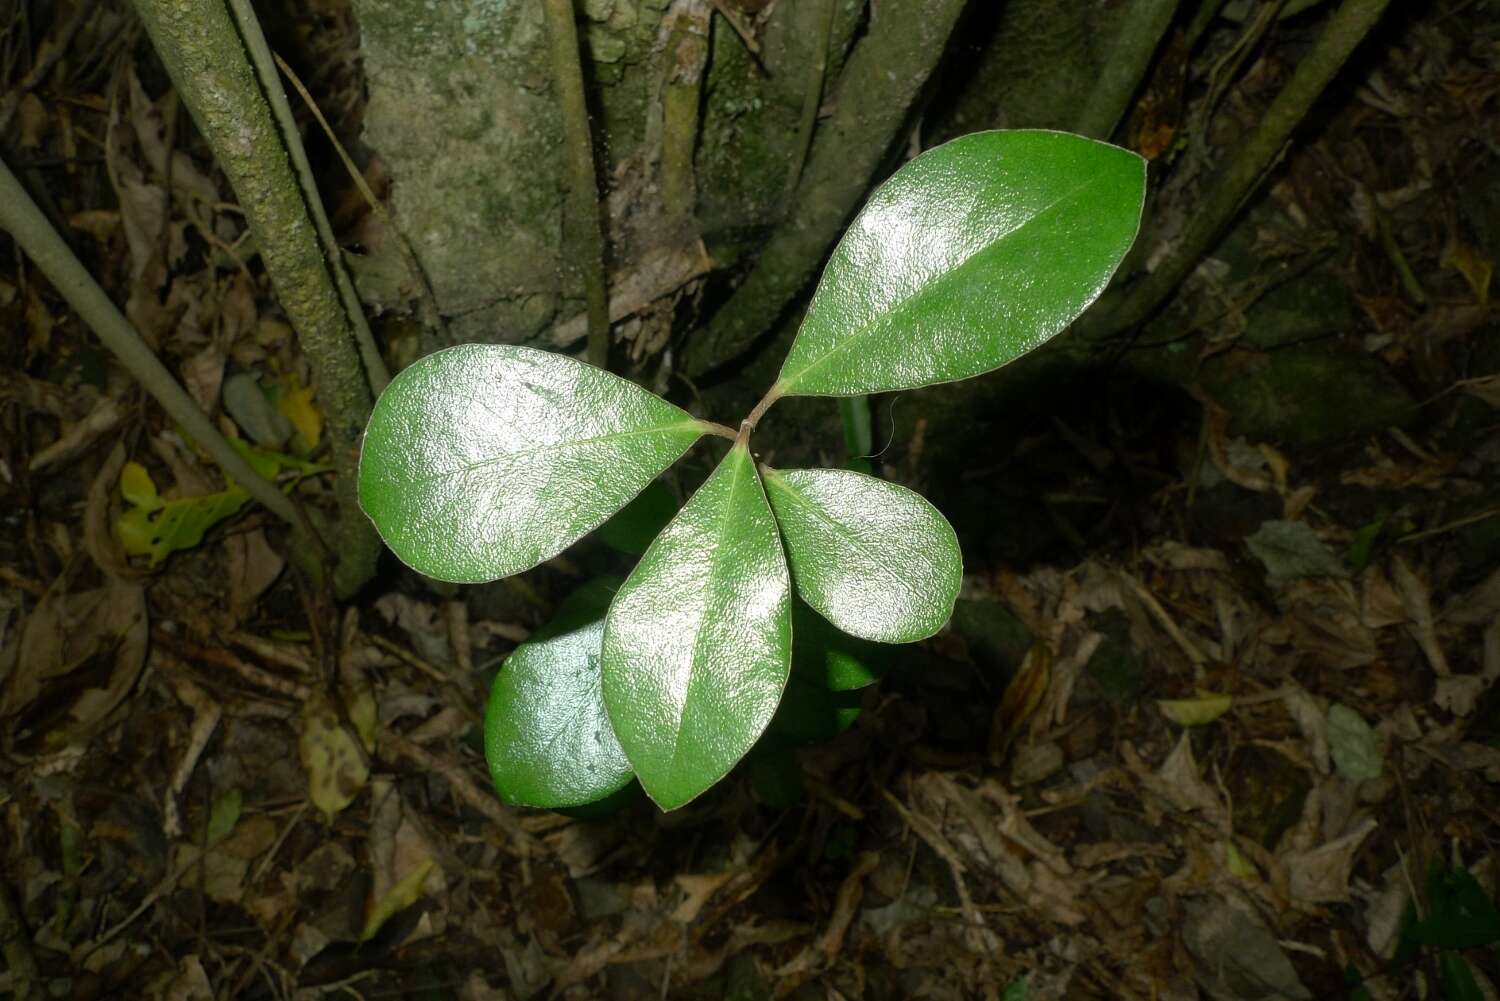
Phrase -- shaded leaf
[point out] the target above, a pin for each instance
(825, 657)
(809, 714)
(697, 645)
(1291, 549)
(1459, 913)
(859, 443)
(631, 529)
(1458, 979)
(610, 805)
(872, 557)
(253, 411)
(971, 255)
(224, 814)
(1353, 744)
(483, 460)
(547, 737)
(776, 776)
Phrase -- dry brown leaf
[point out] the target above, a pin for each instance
(697, 889)
(1487, 389)
(223, 876)
(1414, 597)
(1173, 555)
(1380, 604)
(421, 622)
(1022, 696)
(1179, 783)
(189, 983)
(253, 568)
(99, 538)
(1324, 616)
(65, 632)
(1238, 956)
(1477, 606)
(1312, 721)
(403, 859)
(1321, 875)
(149, 132)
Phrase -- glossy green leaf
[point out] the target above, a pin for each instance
(971, 255)
(483, 460)
(547, 738)
(697, 645)
(874, 558)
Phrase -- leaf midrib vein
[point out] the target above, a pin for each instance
(554, 446)
(713, 569)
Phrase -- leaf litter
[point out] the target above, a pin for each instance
(1254, 747)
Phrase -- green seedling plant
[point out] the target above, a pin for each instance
(482, 461)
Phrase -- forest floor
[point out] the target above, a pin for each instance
(1236, 735)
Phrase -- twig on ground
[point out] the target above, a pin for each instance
(206, 716)
(463, 787)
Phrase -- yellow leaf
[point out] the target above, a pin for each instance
(1206, 708)
(137, 487)
(1022, 696)
(136, 531)
(296, 404)
(1473, 265)
(1239, 865)
(400, 897)
(337, 768)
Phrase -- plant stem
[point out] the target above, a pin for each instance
(682, 93)
(722, 430)
(812, 94)
(587, 236)
(265, 69)
(854, 412)
(749, 423)
(205, 56)
(1140, 34)
(880, 83)
(20, 217)
(1345, 30)
(431, 315)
